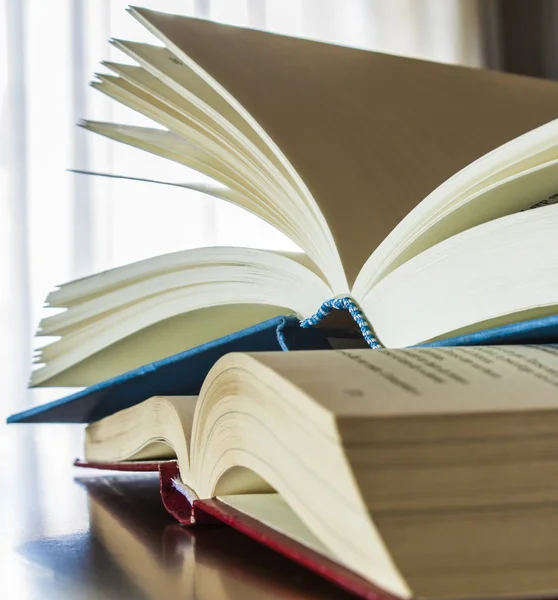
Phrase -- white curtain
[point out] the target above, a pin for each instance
(55, 225)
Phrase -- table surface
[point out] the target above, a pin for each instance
(75, 533)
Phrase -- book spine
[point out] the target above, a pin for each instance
(178, 499)
(344, 303)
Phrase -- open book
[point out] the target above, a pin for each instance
(404, 183)
(427, 472)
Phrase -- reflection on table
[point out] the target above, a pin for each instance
(72, 533)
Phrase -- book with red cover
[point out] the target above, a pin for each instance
(423, 472)
(191, 511)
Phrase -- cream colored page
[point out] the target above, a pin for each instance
(483, 277)
(273, 511)
(173, 73)
(247, 183)
(155, 342)
(161, 105)
(78, 291)
(423, 381)
(181, 150)
(515, 194)
(171, 146)
(369, 134)
(530, 188)
(158, 428)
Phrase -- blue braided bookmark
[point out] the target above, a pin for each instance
(280, 331)
(344, 304)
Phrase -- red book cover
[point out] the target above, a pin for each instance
(191, 511)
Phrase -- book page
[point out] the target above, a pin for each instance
(532, 188)
(158, 428)
(157, 341)
(495, 274)
(272, 510)
(369, 134)
(424, 381)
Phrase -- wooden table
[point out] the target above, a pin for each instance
(74, 533)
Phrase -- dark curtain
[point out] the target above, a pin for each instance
(521, 36)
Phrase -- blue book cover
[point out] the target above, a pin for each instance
(177, 375)
(184, 373)
(534, 331)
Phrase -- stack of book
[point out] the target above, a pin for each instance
(405, 444)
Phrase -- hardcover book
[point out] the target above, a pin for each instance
(425, 472)
(406, 185)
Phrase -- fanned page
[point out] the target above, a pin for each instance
(132, 315)
(335, 147)
(366, 133)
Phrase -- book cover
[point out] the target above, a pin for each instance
(180, 374)
(183, 373)
(126, 512)
(191, 511)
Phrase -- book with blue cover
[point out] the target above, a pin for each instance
(421, 195)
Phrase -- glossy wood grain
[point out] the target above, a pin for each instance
(72, 533)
